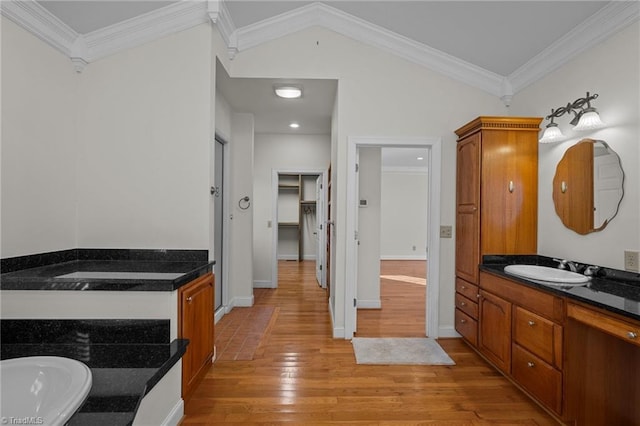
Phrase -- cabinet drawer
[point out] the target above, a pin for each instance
(469, 307)
(467, 327)
(468, 290)
(537, 301)
(539, 378)
(538, 335)
(628, 331)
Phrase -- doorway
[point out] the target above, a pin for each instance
(219, 226)
(433, 164)
(391, 298)
(299, 203)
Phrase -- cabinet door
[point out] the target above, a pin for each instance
(467, 208)
(509, 192)
(196, 316)
(495, 330)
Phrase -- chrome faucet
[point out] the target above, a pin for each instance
(592, 271)
(567, 264)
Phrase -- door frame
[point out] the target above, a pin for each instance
(274, 209)
(226, 224)
(434, 165)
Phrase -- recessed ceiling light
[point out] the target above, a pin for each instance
(420, 158)
(288, 92)
(294, 125)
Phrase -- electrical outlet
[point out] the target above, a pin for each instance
(632, 260)
(446, 231)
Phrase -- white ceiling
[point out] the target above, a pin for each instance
(497, 36)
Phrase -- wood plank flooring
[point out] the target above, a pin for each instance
(403, 301)
(300, 375)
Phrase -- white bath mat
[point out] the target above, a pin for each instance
(408, 350)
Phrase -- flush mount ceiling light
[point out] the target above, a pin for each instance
(288, 92)
(294, 125)
(585, 118)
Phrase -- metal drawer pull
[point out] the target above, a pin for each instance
(511, 186)
(189, 299)
(463, 304)
(632, 335)
(463, 287)
(531, 323)
(530, 364)
(462, 321)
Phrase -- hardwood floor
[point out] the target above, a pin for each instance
(300, 375)
(403, 300)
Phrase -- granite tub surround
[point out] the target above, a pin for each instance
(105, 269)
(610, 289)
(127, 358)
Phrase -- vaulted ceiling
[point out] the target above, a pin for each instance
(497, 46)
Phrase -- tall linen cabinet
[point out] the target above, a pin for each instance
(496, 205)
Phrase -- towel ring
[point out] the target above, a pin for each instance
(244, 203)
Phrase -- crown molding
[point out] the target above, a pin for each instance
(607, 21)
(84, 49)
(319, 14)
(40, 22)
(144, 28)
(219, 15)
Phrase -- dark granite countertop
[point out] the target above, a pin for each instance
(612, 290)
(127, 359)
(106, 270)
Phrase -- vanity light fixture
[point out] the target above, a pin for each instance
(288, 92)
(585, 118)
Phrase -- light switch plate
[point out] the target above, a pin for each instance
(446, 231)
(632, 260)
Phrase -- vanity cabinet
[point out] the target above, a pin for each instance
(195, 322)
(496, 199)
(495, 330)
(521, 334)
(602, 372)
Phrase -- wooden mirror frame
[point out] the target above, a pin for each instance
(574, 196)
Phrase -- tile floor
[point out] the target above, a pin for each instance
(239, 333)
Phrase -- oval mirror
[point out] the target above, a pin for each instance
(587, 186)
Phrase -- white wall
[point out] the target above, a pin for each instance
(369, 180)
(379, 94)
(39, 95)
(278, 152)
(611, 69)
(404, 215)
(144, 133)
(240, 273)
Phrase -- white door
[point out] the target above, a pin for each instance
(354, 311)
(320, 234)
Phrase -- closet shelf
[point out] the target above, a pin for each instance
(308, 202)
(296, 224)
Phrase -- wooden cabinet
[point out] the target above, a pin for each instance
(521, 333)
(496, 191)
(602, 371)
(195, 322)
(494, 340)
(466, 313)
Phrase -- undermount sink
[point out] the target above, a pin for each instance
(551, 276)
(46, 388)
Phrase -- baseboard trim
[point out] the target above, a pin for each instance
(242, 302)
(338, 332)
(403, 257)
(447, 331)
(263, 284)
(176, 414)
(369, 304)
